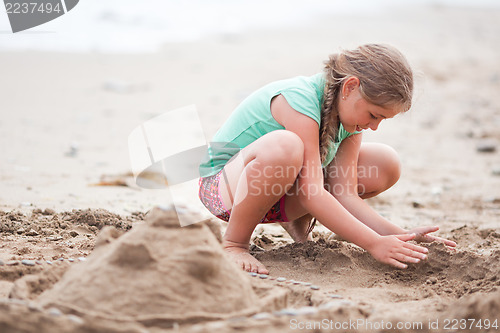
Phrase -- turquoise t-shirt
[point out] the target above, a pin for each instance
(253, 119)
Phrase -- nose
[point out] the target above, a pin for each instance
(374, 124)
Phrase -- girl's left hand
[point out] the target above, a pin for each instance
(422, 236)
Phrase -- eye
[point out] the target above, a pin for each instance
(372, 116)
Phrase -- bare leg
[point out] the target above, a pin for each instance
(378, 169)
(260, 174)
(299, 229)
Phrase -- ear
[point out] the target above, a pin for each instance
(349, 85)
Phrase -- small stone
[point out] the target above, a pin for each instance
(73, 233)
(39, 262)
(313, 287)
(307, 310)
(61, 259)
(296, 282)
(33, 307)
(71, 259)
(262, 316)
(416, 204)
(26, 204)
(49, 262)
(281, 279)
(48, 211)
(346, 303)
(431, 280)
(329, 305)
(217, 325)
(73, 150)
(263, 276)
(32, 232)
(335, 296)
(1, 262)
(82, 258)
(28, 262)
(486, 146)
(20, 231)
(75, 319)
(436, 190)
(117, 86)
(55, 312)
(12, 263)
(286, 312)
(252, 274)
(307, 284)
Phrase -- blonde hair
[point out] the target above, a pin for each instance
(386, 80)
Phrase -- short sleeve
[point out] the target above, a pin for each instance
(304, 101)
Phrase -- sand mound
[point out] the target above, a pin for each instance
(156, 274)
(479, 306)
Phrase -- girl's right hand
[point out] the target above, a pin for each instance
(395, 250)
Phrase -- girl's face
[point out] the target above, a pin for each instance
(356, 113)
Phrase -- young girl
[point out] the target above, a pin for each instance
(292, 151)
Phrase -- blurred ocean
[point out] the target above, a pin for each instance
(110, 26)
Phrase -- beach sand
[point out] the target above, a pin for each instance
(65, 123)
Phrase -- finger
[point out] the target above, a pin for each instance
(427, 230)
(262, 270)
(413, 254)
(410, 253)
(416, 248)
(405, 258)
(254, 268)
(445, 241)
(243, 267)
(406, 237)
(395, 263)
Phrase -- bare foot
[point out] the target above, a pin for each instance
(240, 255)
(300, 229)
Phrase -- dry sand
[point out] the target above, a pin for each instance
(65, 122)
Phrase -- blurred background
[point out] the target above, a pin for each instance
(74, 88)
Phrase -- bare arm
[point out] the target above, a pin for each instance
(343, 175)
(344, 168)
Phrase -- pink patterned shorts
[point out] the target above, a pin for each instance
(210, 197)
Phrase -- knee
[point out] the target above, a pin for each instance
(286, 148)
(391, 165)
